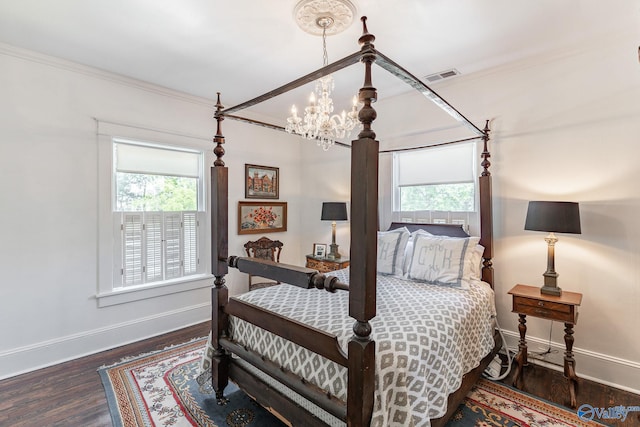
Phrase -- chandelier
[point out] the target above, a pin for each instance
(318, 121)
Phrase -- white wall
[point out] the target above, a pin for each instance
(573, 136)
(564, 127)
(255, 145)
(326, 177)
(49, 185)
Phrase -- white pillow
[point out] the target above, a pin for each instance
(442, 260)
(409, 249)
(476, 262)
(391, 246)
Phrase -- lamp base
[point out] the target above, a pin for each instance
(550, 281)
(551, 290)
(333, 252)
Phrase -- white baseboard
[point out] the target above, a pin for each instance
(47, 353)
(609, 370)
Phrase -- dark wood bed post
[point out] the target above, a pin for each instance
(219, 254)
(486, 210)
(364, 228)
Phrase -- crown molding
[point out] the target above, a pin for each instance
(75, 67)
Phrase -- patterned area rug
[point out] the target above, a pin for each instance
(162, 389)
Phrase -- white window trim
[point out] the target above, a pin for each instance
(167, 287)
(106, 294)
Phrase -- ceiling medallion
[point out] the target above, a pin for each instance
(312, 16)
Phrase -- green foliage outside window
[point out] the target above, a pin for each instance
(438, 197)
(153, 193)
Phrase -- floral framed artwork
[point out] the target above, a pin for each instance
(262, 217)
(261, 182)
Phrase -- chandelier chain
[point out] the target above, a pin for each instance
(325, 56)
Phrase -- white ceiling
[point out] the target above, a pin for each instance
(244, 48)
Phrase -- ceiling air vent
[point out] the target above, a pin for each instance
(432, 78)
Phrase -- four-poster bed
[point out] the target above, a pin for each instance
(350, 354)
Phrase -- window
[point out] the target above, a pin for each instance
(157, 195)
(435, 179)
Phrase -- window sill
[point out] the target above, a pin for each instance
(137, 293)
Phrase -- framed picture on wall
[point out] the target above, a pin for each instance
(262, 217)
(261, 182)
(319, 250)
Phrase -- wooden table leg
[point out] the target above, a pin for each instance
(570, 363)
(521, 358)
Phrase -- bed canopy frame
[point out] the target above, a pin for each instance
(360, 358)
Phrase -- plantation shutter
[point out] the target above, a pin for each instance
(172, 252)
(132, 260)
(190, 242)
(153, 234)
(158, 246)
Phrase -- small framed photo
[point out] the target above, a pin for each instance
(261, 182)
(319, 250)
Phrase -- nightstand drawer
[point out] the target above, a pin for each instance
(331, 267)
(546, 313)
(312, 263)
(325, 265)
(549, 305)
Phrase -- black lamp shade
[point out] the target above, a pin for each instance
(553, 217)
(334, 211)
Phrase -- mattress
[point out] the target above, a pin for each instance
(427, 337)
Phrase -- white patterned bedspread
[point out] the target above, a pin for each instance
(427, 337)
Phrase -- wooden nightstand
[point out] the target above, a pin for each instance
(527, 300)
(325, 265)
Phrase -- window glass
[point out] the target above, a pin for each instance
(142, 192)
(438, 197)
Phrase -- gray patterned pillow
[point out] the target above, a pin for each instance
(391, 245)
(442, 260)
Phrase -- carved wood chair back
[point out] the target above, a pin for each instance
(263, 248)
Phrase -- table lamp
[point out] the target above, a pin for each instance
(334, 211)
(558, 217)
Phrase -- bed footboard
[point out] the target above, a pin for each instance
(315, 340)
(274, 400)
(286, 273)
(310, 392)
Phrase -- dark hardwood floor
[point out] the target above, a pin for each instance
(71, 393)
(552, 385)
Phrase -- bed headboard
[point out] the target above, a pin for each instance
(450, 230)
